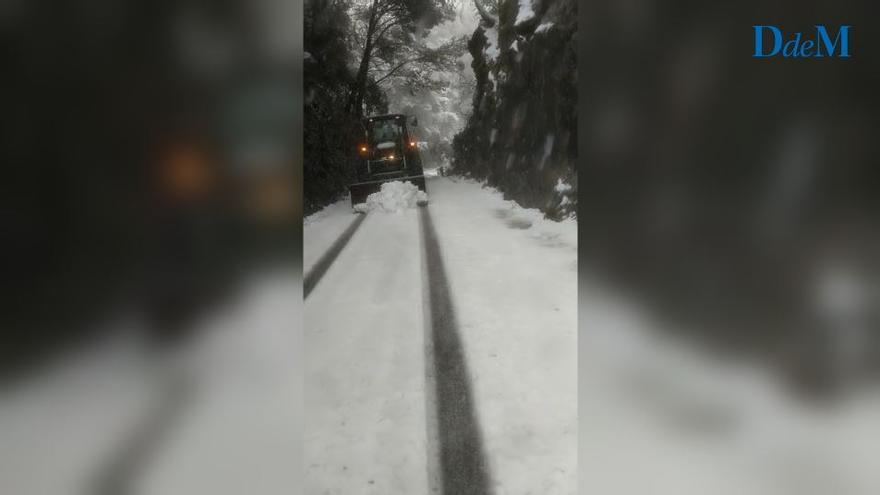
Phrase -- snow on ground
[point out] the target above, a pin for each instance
(513, 277)
(239, 429)
(661, 417)
(365, 409)
(322, 228)
(393, 197)
(242, 430)
(58, 428)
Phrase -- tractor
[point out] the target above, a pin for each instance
(388, 152)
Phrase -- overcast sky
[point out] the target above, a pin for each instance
(464, 24)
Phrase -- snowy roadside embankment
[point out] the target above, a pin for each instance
(393, 197)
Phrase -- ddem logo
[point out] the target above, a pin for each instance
(800, 47)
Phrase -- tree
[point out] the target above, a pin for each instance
(393, 30)
(327, 127)
(412, 64)
(489, 20)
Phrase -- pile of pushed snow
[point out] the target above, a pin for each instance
(394, 196)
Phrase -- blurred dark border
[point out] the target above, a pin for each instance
(725, 192)
(152, 161)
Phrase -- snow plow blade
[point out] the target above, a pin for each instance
(361, 190)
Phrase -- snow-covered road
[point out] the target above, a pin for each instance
(220, 413)
(372, 397)
(365, 365)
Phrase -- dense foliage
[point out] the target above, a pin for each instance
(522, 135)
(327, 80)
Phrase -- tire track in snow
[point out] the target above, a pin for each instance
(135, 452)
(320, 268)
(463, 467)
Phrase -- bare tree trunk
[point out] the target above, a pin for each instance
(356, 97)
(361, 81)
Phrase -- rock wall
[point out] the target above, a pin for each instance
(522, 134)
